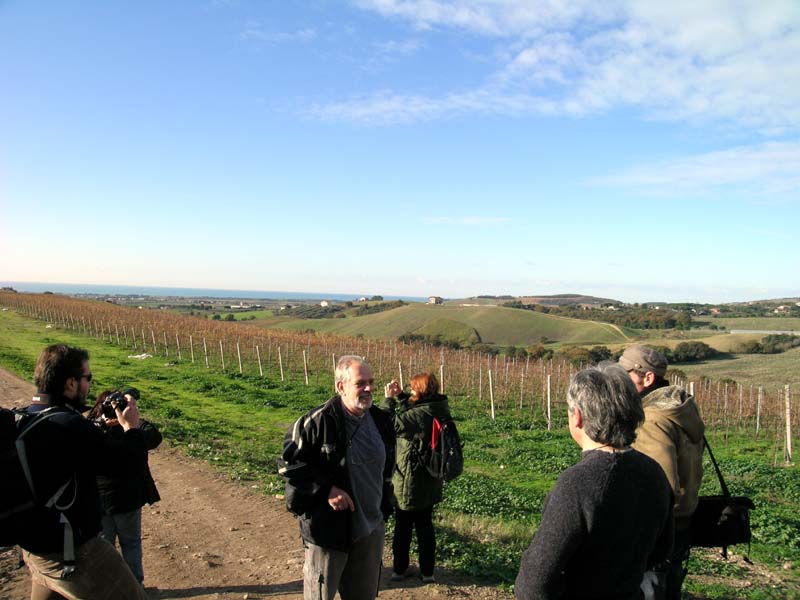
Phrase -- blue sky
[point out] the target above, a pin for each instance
(641, 151)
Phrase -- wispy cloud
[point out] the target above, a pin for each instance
(470, 221)
(772, 168)
(408, 46)
(718, 61)
(255, 31)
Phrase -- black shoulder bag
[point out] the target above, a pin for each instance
(721, 521)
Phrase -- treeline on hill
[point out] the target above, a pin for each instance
(771, 344)
(626, 316)
(578, 355)
(316, 311)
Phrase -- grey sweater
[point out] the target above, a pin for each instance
(607, 520)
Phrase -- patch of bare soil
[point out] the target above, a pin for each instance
(212, 538)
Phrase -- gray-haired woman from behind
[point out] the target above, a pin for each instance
(608, 518)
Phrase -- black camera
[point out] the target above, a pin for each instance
(118, 399)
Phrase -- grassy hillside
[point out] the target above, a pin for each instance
(759, 323)
(494, 324)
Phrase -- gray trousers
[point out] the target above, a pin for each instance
(355, 574)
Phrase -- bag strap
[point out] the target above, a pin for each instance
(725, 491)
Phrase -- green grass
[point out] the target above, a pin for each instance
(765, 323)
(488, 515)
(496, 325)
(769, 370)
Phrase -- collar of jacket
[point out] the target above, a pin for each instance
(659, 384)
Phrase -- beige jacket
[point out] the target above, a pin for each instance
(672, 435)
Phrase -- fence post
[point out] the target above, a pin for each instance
(491, 393)
(400, 368)
(758, 409)
(787, 454)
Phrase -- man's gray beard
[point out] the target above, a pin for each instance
(363, 404)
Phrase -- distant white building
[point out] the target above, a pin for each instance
(435, 300)
(324, 303)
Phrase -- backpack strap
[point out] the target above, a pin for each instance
(52, 502)
(725, 491)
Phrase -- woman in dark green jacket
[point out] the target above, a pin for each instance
(416, 490)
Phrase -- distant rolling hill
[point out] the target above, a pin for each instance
(495, 325)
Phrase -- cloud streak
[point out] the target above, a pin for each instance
(771, 168)
(685, 61)
(468, 221)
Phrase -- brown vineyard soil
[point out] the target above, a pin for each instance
(213, 538)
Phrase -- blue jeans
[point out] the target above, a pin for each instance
(127, 527)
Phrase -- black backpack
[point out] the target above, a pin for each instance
(20, 497)
(444, 456)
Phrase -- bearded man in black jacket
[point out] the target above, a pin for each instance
(338, 461)
(65, 555)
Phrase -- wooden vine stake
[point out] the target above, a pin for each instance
(491, 393)
(166, 347)
(400, 368)
(549, 403)
(305, 366)
(787, 454)
(758, 408)
(441, 376)
(258, 356)
(222, 355)
(239, 356)
(205, 351)
(280, 361)
(178, 346)
(191, 348)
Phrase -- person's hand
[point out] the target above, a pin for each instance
(340, 500)
(392, 389)
(128, 418)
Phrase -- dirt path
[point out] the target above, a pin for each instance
(212, 538)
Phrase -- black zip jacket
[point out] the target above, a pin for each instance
(68, 447)
(314, 460)
(120, 494)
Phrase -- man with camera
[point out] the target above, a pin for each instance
(672, 435)
(338, 460)
(65, 453)
(123, 496)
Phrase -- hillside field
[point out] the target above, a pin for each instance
(496, 325)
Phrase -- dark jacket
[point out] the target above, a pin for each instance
(414, 487)
(133, 490)
(68, 447)
(314, 460)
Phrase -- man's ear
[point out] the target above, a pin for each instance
(649, 379)
(70, 387)
(339, 387)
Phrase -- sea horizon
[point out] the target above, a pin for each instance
(78, 289)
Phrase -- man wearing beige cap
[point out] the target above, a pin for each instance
(672, 435)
